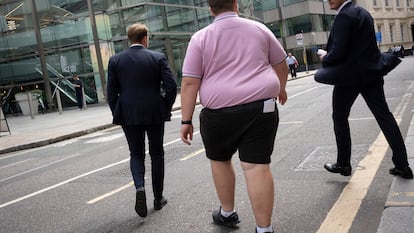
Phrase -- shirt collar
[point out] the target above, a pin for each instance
(342, 6)
(135, 45)
(224, 15)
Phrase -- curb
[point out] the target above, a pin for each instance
(54, 140)
(87, 131)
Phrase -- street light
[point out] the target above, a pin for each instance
(305, 58)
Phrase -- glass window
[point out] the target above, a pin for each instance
(299, 24)
(276, 28)
(327, 22)
(270, 4)
(290, 2)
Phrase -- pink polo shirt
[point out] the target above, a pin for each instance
(234, 56)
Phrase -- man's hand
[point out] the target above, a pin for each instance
(282, 97)
(186, 133)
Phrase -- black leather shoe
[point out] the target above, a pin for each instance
(405, 172)
(230, 221)
(335, 168)
(141, 203)
(158, 204)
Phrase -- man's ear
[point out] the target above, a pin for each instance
(236, 6)
(145, 41)
(211, 12)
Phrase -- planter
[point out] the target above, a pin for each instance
(22, 100)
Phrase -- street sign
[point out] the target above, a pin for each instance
(299, 39)
(378, 36)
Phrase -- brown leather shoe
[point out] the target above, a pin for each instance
(336, 168)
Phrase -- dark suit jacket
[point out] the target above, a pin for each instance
(141, 88)
(353, 57)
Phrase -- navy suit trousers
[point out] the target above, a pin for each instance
(343, 99)
(135, 135)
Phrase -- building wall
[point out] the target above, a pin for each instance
(69, 44)
(312, 19)
(394, 19)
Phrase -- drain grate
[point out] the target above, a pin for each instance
(326, 154)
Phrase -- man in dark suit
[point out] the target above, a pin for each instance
(353, 55)
(78, 84)
(141, 92)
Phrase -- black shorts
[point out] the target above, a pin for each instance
(244, 127)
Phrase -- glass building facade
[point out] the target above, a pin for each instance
(44, 42)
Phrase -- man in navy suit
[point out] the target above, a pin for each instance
(352, 58)
(141, 92)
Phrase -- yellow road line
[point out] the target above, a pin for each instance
(342, 214)
(99, 198)
(193, 154)
(93, 201)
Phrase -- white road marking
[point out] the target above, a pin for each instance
(12, 164)
(106, 139)
(290, 122)
(75, 178)
(37, 168)
(60, 184)
(303, 92)
(110, 193)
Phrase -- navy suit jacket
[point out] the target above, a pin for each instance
(353, 57)
(141, 88)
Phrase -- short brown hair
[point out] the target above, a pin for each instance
(219, 6)
(137, 32)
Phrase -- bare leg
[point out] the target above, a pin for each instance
(225, 182)
(259, 180)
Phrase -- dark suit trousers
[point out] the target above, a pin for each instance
(79, 98)
(343, 99)
(135, 136)
(292, 68)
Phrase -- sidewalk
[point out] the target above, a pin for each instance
(54, 127)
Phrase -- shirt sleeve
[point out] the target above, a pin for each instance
(192, 65)
(276, 52)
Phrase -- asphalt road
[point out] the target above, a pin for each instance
(84, 184)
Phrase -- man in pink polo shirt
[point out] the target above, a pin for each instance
(238, 68)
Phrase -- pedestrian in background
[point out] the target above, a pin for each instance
(352, 52)
(238, 67)
(78, 84)
(293, 64)
(141, 92)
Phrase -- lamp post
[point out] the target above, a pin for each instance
(97, 47)
(305, 58)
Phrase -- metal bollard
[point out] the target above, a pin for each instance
(83, 99)
(29, 100)
(58, 100)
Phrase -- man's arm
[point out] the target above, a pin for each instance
(341, 47)
(281, 70)
(189, 90)
(169, 84)
(112, 88)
